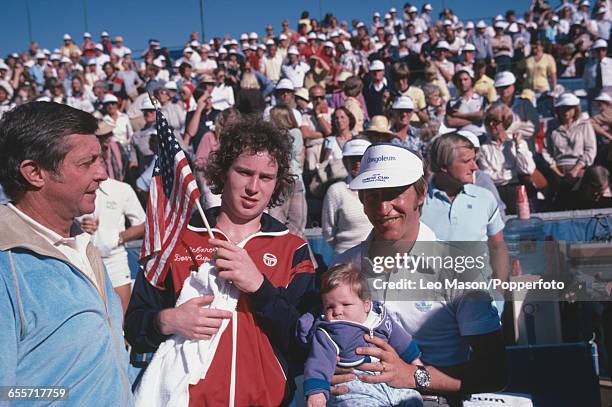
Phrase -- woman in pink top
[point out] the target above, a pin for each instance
(208, 144)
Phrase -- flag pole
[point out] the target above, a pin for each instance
(197, 202)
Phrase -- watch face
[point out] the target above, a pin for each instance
(421, 377)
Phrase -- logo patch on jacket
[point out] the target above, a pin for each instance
(269, 259)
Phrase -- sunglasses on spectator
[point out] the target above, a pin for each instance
(317, 97)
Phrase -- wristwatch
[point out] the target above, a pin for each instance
(422, 379)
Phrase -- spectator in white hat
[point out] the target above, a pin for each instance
(88, 46)
(468, 57)
(466, 111)
(343, 222)
(400, 114)
(603, 24)
(106, 42)
(119, 48)
(69, 46)
(602, 121)
(376, 22)
(482, 42)
(523, 110)
(376, 90)
(101, 58)
(37, 71)
(120, 121)
(426, 15)
(446, 68)
(502, 48)
(598, 70)
(570, 145)
(206, 65)
(271, 63)
(294, 69)
(253, 38)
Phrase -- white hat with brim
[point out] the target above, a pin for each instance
(599, 44)
(503, 79)
(427, 7)
(302, 93)
(355, 147)
(603, 97)
(567, 100)
(387, 166)
(171, 85)
(285, 84)
(481, 24)
(293, 51)
(270, 42)
(379, 127)
(442, 45)
(328, 44)
(253, 36)
(377, 65)
(110, 99)
(470, 136)
(469, 47)
(403, 103)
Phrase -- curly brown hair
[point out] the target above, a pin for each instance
(252, 135)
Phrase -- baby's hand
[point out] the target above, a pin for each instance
(317, 400)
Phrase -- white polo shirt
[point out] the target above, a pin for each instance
(115, 201)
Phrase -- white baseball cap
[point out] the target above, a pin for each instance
(328, 44)
(413, 10)
(442, 45)
(600, 43)
(99, 47)
(253, 36)
(293, 50)
(603, 97)
(312, 35)
(282, 37)
(244, 37)
(285, 84)
(427, 7)
(86, 35)
(67, 37)
(171, 85)
(567, 99)
(270, 42)
(108, 98)
(377, 65)
(392, 10)
(40, 55)
(503, 79)
(447, 22)
(321, 37)
(469, 25)
(302, 40)
(403, 103)
(442, 130)
(104, 34)
(469, 47)
(386, 166)
(222, 51)
(481, 24)
(355, 147)
(500, 24)
(302, 93)
(467, 70)
(470, 136)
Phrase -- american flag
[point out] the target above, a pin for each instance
(171, 197)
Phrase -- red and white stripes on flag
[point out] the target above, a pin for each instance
(171, 198)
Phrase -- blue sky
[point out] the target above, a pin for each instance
(172, 21)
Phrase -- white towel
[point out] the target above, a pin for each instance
(178, 361)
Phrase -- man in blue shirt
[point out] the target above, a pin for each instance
(456, 209)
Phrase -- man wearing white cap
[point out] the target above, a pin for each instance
(598, 70)
(468, 57)
(294, 69)
(271, 63)
(69, 46)
(470, 359)
(482, 42)
(206, 65)
(602, 121)
(37, 70)
(603, 24)
(445, 67)
(401, 114)
(120, 121)
(375, 88)
(343, 222)
(503, 50)
(284, 93)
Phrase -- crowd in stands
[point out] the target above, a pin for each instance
(407, 77)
